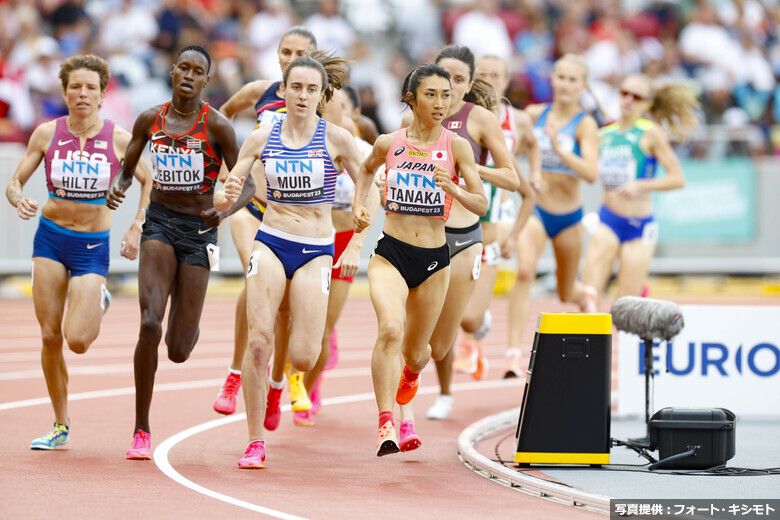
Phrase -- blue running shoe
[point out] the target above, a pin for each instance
(58, 435)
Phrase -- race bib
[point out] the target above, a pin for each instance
(325, 275)
(80, 180)
(614, 173)
(254, 264)
(295, 180)
(178, 173)
(270, 118)
(414, 192)
(650, 233)
(213, 253)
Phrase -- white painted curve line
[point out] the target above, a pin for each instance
(161, 453)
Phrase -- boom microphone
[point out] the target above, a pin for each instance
(647, 318)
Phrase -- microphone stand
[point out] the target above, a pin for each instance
(644, 442)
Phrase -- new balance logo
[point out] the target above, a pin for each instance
(93, 246)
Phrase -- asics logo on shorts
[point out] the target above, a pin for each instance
(93, 246)
(433, 266)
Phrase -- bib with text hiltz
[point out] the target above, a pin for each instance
(411, 190)
(291, 180)
(80, 176)
(176, 170)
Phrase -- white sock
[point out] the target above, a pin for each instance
(235, 372)
(276, 385)
(514, 352)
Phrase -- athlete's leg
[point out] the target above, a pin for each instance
(187, 298)
(50, 288)
(530, 246)
(461, 286)
(157, 266)
(82, 321)
(635, 256)
(339, 289)
(264, 296)
(243, 228)
(388, 292)
(567, 246)
(602, 251)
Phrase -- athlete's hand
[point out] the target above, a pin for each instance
(26, 208)
(116, 193)
(212, 217)
(508, 245)
(131, 242)
(360, 219)
(349, 261)
(538, 184)
(630, 190)
(441, 176)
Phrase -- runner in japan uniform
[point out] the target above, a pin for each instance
(410, 190)
(182, 164)
(80, 176)
(305, 176)
(621, 160)
(552, 162)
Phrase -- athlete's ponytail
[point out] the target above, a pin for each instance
(675, 106)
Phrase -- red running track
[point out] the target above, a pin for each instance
(329, 471)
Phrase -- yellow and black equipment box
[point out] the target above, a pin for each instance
(565, 413)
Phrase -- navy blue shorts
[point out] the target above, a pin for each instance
(294, 251)
(80, 252)
(626, 228)
(187, 234)
(554, 223)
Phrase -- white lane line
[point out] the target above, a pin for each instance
(164, 448)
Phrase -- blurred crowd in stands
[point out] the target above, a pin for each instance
(728, 50)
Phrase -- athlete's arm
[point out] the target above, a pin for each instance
(473, 197)
(131, 241)
(123, 180)
(491, 137)
(587, 166)
(658, 145)
(225, 140)
(26, 207)
(365, 179)
(527, 142)
(245, 97)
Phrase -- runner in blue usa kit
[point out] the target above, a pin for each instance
(300, 158)
(81, 154)
(188, 143)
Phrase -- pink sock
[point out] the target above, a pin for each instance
(384, 417)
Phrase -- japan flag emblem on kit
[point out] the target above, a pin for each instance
(439, 155)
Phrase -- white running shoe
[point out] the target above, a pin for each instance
(487, 323)
(441, 408)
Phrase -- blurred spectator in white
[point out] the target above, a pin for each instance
(264, 32)
(483, 31)
(30, 40)
(755, 80)
(745, 14)
(71, 25)
(44, 83)
(332, 31)
(370, 17)
(128, 30)
(711, 56)
(418, 25)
